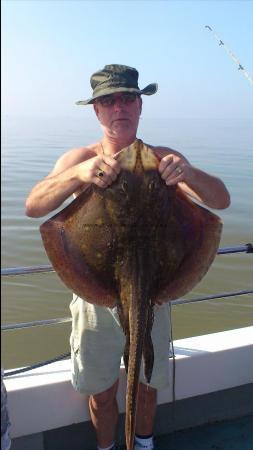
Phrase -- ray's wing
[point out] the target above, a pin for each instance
(201, 230)
(75, 240)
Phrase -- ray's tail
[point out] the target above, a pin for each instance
(139, 323)
(137, 319)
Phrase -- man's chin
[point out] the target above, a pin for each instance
(121, 129)
(122, 126)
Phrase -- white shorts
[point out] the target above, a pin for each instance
(97, 345)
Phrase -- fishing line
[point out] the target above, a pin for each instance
(230, 54)
(171, 346)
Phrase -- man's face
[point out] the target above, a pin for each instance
(119, 113)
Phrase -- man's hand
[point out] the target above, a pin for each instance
(63, 181)
(205, 188)
(174, 169)
(101, 170)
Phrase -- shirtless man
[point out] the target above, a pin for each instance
(117, 103)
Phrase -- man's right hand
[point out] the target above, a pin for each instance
(88, 171)
(67, 178)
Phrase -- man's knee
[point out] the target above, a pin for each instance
(104, 399)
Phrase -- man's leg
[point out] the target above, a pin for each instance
(146, 409)
(104, 415)
(161, 337)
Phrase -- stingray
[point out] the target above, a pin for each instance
(134, 244)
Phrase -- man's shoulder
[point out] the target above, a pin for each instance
(73, 157)
(79, 154)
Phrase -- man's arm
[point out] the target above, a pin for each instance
(205, 188)
(71, 172)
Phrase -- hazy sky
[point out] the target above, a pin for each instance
(50, 49)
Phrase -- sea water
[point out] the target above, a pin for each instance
(30, 148)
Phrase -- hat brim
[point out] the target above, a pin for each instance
(148, 90)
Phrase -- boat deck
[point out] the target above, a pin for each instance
(234, 434)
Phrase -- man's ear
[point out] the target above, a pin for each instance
(95, 107)
(140, 104)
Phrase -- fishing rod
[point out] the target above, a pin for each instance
(232, 56)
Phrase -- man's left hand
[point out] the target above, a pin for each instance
(174, 169)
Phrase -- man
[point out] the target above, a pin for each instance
(97, 341)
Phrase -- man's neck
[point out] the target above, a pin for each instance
(113, 145)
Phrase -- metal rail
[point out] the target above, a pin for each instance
(35, 323)
(13, 271)
(67, 354)
(248, 248)
(245, 248)
(212, 297)
(10, 373)
(15, 326)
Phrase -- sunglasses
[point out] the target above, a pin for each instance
(110, 100)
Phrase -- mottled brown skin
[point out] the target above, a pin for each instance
(134, 244)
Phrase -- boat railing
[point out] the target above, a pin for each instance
(13, 271)
(18, 271)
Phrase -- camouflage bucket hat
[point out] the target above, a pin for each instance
(116, 78)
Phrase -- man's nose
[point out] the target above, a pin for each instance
(118, 103)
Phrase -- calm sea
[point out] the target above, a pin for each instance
(30, 148)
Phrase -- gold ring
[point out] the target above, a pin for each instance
(100, 173)
(178, 170)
